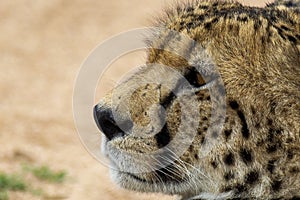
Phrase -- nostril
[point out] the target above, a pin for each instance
(106, 123)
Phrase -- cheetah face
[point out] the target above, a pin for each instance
(170, 129)
(155, 124)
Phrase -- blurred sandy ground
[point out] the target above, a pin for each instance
(42, 45)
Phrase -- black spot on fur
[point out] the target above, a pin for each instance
(292, 39)
(259, 142)
(257, 125)
(226, 119)
(257, 24)
(240, 188)
(190, 25)
(201, 18)
(271, 137)
(202, 140)
(270, 122)
(227, 133)
(228, 176)
(214, 164)
(163, 137)
(199, 132)
(245, 130)
(229, 159)
(234, 105)
(200, 95)
(215, 20)
(207, 25)
(271, 166)
(276, 185)
(279, 131)
(294, 170)
(272, 148)
(273, 106)
(246, 156)
(242, 19)
(253, 110)
(263, 40)
(290, 154)
(252, 177)
(200, 98)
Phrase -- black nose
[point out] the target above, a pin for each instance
(105, 121)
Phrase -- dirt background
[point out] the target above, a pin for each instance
(42, 45)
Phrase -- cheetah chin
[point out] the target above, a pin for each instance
(216, 118)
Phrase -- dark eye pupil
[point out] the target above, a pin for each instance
(194, 77)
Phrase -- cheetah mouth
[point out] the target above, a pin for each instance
(162, 175)
(154, 180)
(135, 177)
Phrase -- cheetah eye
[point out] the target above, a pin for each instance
(193, 76)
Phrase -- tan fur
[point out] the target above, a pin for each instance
(257, 53)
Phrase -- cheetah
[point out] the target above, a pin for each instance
(224, 114)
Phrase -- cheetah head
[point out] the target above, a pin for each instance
(203, 118)
(160, 124)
